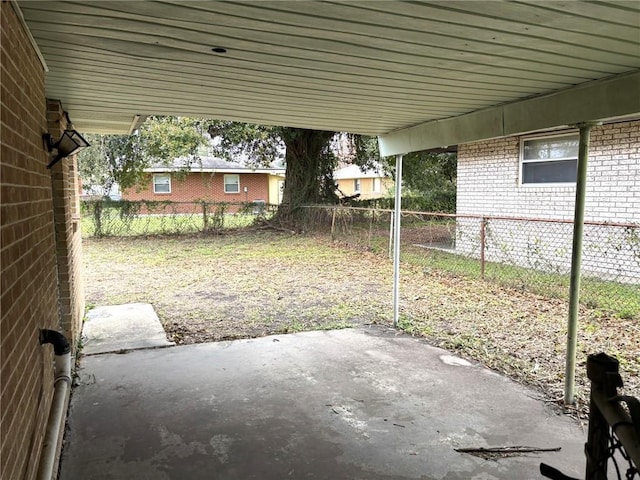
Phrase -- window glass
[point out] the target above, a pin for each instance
(231, 183)
(161, 184)
(550, 159)
(551, 148)
(356, 185)
(375, 185)
(559, 171)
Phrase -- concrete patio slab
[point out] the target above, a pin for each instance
(117, 328)
(347, 404)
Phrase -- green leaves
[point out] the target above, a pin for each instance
(167, 138)
(430, 176)
(257, 145)
(123, 158)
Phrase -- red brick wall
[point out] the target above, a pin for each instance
(205, 186)
(29, 296)
(68, 233)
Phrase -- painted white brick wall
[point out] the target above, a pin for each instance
(488, 179)
(488, 185)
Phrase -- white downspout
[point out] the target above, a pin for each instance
(48, 468)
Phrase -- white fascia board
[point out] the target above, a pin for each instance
(169, 170)
(27, 32)
(615, 97)
(359, 175)
(240, 170)
(213, 170)
(442, 133)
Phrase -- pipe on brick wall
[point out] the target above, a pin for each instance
(48, 467)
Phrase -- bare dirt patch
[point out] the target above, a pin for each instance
(254, 284)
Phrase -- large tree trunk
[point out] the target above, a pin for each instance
(309, 172)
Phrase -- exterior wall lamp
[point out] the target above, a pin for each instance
(70, 143)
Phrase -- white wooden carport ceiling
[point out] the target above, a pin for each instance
(370, 67)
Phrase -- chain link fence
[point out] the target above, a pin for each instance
(526, 254)
(108, 218)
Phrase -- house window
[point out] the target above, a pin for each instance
(375, 185)
(162, 184)
(356, 185)
(549, 160)
(231, 183)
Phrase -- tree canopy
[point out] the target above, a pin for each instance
(430, 178)
(310, 158)
(123, 158)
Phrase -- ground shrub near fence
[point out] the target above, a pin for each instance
(107, 218)
(524, 254)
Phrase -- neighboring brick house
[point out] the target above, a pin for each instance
(533, 176)
(353, 180)
(213, 180)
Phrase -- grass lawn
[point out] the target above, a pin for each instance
(249, 284)
(618, 299)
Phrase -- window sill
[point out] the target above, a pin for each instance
(547, 185)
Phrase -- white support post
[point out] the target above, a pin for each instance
(391, 224)
(396, 242)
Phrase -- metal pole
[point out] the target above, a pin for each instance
(391, 237)
(576, 260)
(483, 224)
(372, 215)
(333, 223)
(396, 241)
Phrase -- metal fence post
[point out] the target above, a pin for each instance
(372, 215)
(204, 217)
(97, 216)
(483, 223)
(333, 223)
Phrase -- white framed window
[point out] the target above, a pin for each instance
(232, 184)
(356, 185)
(549, 160)
(375, 185)
(162, 183)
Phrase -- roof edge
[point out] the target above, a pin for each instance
(27, 31)
(607, 99)
(274, 171)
